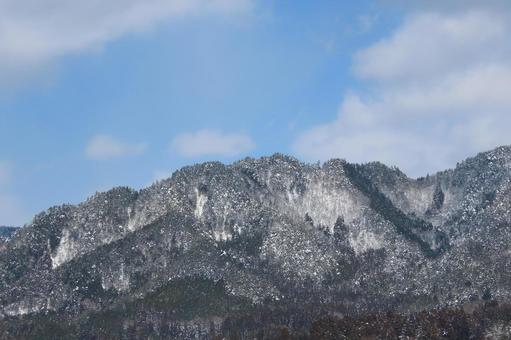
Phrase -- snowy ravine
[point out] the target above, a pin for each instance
(271, 231)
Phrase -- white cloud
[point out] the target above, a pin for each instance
(431, 44)
(104, 147)
(33, 32)
(212, 143)
(438, 91)
(450, 5)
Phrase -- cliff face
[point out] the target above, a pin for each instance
(270, 232)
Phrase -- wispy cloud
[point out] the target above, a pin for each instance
(437, 91)
(34, 33)
(211, 143)
(104, 147)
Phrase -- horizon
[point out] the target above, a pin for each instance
(95, 96)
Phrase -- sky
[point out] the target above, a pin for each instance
(96, 94)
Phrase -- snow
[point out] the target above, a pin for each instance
(220, 232)
(294, 249)
(201, 200)
(221, 235)
(22, 308)
(119, 280)
(132, 222)
(66, 250)
(419, 199)
(325, 203)
(366, 240)
(123, 281)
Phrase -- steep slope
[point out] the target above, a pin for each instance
(270, 232)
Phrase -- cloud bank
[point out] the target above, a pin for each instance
(211, 143)
(437, 91)
(104, 147)
(34, 33)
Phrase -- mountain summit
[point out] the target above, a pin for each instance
(270, 240)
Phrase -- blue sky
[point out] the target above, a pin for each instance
(125, 92)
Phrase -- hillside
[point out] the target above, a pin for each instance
(232, 249)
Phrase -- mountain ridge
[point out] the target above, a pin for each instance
(272, 231)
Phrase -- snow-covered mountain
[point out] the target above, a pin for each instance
(217, 241)
(6, 233)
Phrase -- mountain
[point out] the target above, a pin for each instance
(264, 248)
(7, 232)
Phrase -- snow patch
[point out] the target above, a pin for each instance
(222, 235)
(66, 250)
(419, 199)
(132, 222)
(22, 308)
(119, 280)
(366, 240)
(201, 200)
(137, 219)
(324, 204)
(223, 230)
